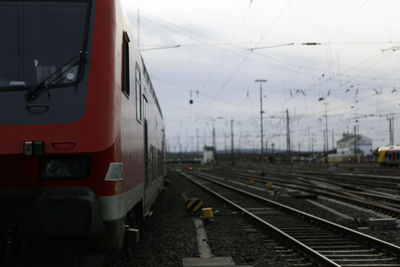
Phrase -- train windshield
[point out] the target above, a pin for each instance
(45, 50)
(38, 38)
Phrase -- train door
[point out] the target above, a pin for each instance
(146, 144)
(394, 157)
(389, 157)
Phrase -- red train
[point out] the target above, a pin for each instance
(83, 137)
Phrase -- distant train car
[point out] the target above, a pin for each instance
(389, 156)
(83, 140)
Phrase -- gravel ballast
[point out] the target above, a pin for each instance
(169, 235)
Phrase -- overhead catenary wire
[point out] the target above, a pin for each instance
(248, 55)
(359, 76)
(291, 65)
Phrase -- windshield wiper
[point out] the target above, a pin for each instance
(35, 91)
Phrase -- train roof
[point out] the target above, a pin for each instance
(389, 148)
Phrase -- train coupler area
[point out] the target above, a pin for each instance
(7, 244)
(52, 212)
(36, 224)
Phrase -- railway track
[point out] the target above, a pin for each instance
(362, 186)
(357, 181)
(373, 169)
(384, 204)
(323, 242)
(386, 182)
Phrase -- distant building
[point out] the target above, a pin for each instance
(348, 145)
(208, 155)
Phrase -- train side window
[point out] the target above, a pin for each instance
(159, 161)
(138, 83)
(389, 156)
(144, 107)
(153, 164)
(398, 156)
(125, 65)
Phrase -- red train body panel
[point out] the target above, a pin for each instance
(120, 133)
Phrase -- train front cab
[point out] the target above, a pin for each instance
(73, 160)
(389, 156)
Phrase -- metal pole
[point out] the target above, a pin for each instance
(326, 128)
(262, 134)
(312, 144)
(358, 144)
(204, 138)
(214, 143)
(288, 137)
(180, 148)
(355, 141)
(391, 131)
(232, 148)
(326, 136)
(198, 140)
(225, 146)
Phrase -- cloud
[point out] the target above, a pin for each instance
(214, 62)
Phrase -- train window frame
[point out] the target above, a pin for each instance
(125, 65)
(145, 103)
(138, 89)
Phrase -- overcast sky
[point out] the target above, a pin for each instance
(225, 45)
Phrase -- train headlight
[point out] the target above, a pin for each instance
(56, 168)
(78, 168)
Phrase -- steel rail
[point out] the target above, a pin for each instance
(368, 193)
(350, 183)
(314, 255)
(358, 235)
(364, 175)
(353, 197)
(346, 183)
(368, 180)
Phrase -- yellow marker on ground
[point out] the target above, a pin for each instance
(269, 185)
(207, 213)
(251, 181)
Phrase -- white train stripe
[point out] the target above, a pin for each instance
(115, 207)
